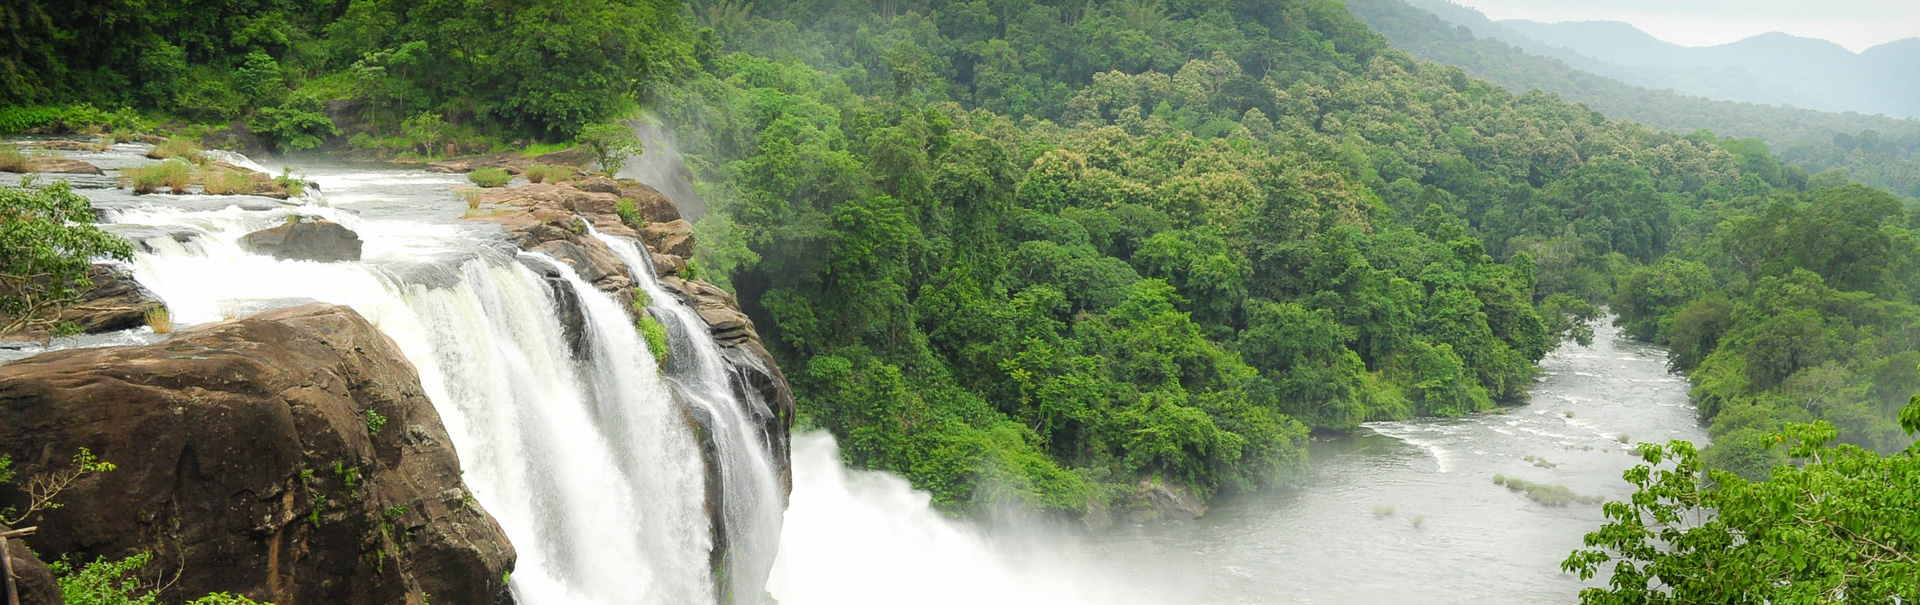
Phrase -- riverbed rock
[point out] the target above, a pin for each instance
(114, 302)
(33, 580)
(57, 165)
(290, 456)
(323, 241)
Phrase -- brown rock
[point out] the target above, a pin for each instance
(114, 302)
(59, 165)
(32, 579)
(248, 456)
(652, 204)
(674, 237)
(323, 241)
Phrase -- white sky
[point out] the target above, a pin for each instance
(1855, 24)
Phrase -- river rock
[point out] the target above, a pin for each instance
(114, 302)
(33, 580)
(290, 456)
(59, 165)
(324, 241)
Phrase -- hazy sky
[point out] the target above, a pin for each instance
(1855, 24)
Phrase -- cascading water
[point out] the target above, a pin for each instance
(573, 444)
(752, 497)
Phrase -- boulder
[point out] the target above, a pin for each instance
(324, 241)
(60, 165)
(675, 237)
(114, 302)
(33, 581)
(290, 456)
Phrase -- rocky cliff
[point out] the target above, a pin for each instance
(290, 456)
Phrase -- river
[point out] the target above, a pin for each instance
(1398, 512)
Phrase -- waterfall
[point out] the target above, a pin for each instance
(568, 434)
(751, 496)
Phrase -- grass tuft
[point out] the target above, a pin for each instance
(1549, 495)
(1384, 510)
(160, 320)
(489, 177)
(181, 148)
(172, 174)
(11, 160)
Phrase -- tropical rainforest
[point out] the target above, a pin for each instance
(1035, 252)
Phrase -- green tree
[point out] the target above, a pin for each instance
(47, 246)
(610, 145)
(1843, 524)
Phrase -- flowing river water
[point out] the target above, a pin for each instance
(597, 486)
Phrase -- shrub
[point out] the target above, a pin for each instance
(104, 582)
(489, 177)
(692, 272)
(629, 214)
(11, 160)
(655, 334)
(179, 148)
(172, 174)
(293, 185)
(548, 173)
(227, 182)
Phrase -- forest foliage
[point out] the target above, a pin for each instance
(1037, 251)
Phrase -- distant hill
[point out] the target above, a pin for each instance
(1770, 68)
(1877, 150)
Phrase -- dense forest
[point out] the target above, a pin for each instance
(1879, 151)
(1035, 252)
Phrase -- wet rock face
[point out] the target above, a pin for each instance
(290, 456)
(323, 241)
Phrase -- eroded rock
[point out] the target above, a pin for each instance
(323, 241)
(290, 456)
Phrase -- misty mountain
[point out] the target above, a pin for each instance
(1774, 68)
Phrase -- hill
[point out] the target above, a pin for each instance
(1876, 150)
